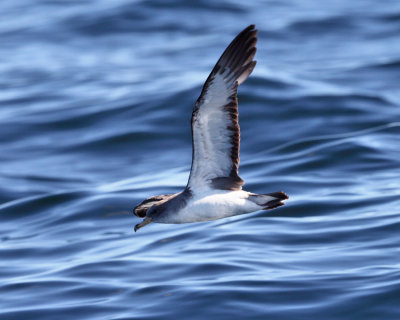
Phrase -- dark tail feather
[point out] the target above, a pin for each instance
(273, 204)
(265, 201)
(279, 195)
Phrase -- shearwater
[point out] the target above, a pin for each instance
(214, 189)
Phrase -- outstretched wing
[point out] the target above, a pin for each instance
(215, 122)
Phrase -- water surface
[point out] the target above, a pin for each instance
(95, 110)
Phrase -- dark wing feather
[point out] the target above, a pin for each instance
(141, 209)
(215, 119)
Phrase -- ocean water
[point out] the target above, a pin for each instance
(95, 105)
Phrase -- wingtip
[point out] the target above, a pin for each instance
(238, 56)
(250, 27)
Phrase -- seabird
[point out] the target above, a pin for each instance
(214, 189)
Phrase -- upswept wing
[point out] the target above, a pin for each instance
(215, 122)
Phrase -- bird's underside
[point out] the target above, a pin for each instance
(214, 189)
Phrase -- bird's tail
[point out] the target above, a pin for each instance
(269, 200)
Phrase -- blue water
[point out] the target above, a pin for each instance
(95, 106)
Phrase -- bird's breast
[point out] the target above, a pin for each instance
(212, 207)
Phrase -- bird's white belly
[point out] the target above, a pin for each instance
(215, 206)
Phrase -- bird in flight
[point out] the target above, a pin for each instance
(214, 189)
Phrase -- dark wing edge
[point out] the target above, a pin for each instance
(141, 209)
(238, 57)
(235, 65)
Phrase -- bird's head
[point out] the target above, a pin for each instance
(151, 209)
(152, 214)
(141, 209)
(154, 211)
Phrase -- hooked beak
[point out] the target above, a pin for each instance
(144, 222)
